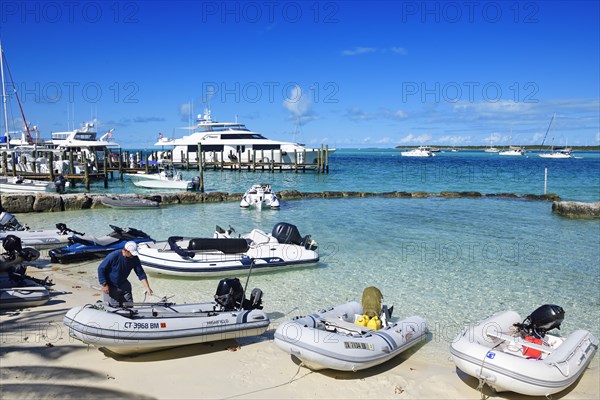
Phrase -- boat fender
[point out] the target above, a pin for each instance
(374, 323)
(361, 320)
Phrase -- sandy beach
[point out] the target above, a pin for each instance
(38, 359)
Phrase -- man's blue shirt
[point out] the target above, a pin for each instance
(115, 269)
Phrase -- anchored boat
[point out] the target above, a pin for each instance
(149, 327)
(258, 196)
(343, 338)
(224, 254)
(509, 355)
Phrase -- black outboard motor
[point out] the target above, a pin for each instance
(196, 183)
(8, 222)
(60, 183)
(230, 295)
(288, 234)
(542, 320)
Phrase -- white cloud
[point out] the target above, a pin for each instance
(356, 51)
(300, 106)
(410, 138)
(357, 114)
(454, 140)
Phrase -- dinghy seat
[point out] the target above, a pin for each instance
(343, 326)
(227, 246)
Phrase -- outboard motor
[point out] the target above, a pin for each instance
(9, 223)
(230, 295)
(288, 234)
(60, 183)
(196, 183)
(542, 320)
(12, 244)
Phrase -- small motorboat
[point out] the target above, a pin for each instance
(130, 202)
(344, 338)
(224, 254)
(509, 355)
(40, 238)
(17, 290)
(149, 327)
(258, 196)
(87, 247)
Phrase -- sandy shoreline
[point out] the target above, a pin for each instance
(38, 359)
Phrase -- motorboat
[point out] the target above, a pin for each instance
(223, 254)
(146, 327)
(165, 184)
(258, 196)
(83, 140)
(229, 143)
(512, 151)
(88, 247)
(40, 238)
(492, 149)
(343, 338)
(130, 202)
(16, 184)
(421, 151)
(508, 353)
(17, 290)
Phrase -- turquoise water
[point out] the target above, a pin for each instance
(452, 261)
(384, 170)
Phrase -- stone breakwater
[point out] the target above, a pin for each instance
(576, 209)
(51, 202)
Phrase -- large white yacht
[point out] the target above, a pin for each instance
(232, 142)
(83, 140)
(421, 151)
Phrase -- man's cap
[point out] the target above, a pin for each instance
(132, 247)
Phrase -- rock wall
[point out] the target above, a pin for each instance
(52, 202)
(577, 209)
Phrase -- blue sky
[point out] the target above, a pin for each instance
(346, 74)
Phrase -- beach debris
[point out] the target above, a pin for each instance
(49, 345)
(398, 389)
(236, 348)
(76, 287)
(109, 377)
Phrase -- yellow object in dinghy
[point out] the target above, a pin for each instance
(361, 320)
(374, 323)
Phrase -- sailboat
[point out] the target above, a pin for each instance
(512, 150)
(15, 184)
(561, 153)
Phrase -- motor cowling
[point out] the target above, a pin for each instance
(60, 183)
(196, 183)
(230, 296)
(542, 320)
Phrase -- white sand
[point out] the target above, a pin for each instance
(38, 359)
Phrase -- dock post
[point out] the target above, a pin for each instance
(326, 158)
(105, 166)
(71, 162)
(295, 161)
(253, 159)
(86, 173)
(51, 165)
(120, 164)
(545, 178)
(14, 164)
(201, 168)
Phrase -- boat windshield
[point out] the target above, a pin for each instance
(224, 127)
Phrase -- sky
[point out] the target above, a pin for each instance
(339, 73)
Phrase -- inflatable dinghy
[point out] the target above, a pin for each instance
(509, 355)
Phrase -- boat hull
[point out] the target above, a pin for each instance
(159, 327)
(25, 293)
(500, 363)
(308, 339)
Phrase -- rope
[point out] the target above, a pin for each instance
(483, 380)
(292, 379)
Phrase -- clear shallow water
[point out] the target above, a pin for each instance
(453, 261)
(384, 170)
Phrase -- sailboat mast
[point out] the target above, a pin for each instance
(4, 96)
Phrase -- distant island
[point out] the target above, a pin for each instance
(483, 147)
